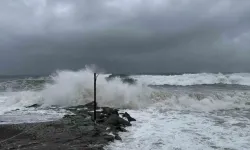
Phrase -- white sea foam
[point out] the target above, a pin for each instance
(166, 118)
(74, 88)
(175, 130)
(201, 101)
(69, 88)
(196, 79)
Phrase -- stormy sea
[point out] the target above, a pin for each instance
(201, 111)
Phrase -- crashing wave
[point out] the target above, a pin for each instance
(69, 88)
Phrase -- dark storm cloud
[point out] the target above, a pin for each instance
(39, 36)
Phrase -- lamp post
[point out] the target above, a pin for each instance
(95, 78)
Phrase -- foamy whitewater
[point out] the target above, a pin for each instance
(178, 112)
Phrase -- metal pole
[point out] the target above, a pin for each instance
(95, 97)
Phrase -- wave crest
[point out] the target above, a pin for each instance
(202, 101)
(69, 88)
(196, 79)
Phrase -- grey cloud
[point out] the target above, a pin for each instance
(124, 36)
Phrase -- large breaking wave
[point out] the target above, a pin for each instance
(67, 88)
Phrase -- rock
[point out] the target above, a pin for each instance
(115, 120)
(28, 145)
(75, 107)
(72, 120)
(117, 137)
(76, 131)
(68, 116)
(101, 128)
(123, 122)
(126, 115)
(109, 111)
(86, 128)
(112, 120)
(33, 106)
(100, 117)
(121, 129)
(90, 105)
(109, 138)
(98, 114)
(82, 113)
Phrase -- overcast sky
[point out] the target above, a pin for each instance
(40, 36)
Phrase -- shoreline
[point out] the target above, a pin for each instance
(76, 131)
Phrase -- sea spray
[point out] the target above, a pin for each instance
(75, 88)
(70, 88)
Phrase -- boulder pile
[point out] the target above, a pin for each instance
(76, 130)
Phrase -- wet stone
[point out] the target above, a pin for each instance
(77, 131)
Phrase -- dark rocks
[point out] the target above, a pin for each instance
(100, 117)
(109, 111)
(126, 115)
(109, 138)
(68, 116)
(89, 105)
(115, 120)
(74, 131)
(121, 129)
(117, 137)
(33, 106)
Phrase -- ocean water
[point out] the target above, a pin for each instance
(174, 112)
